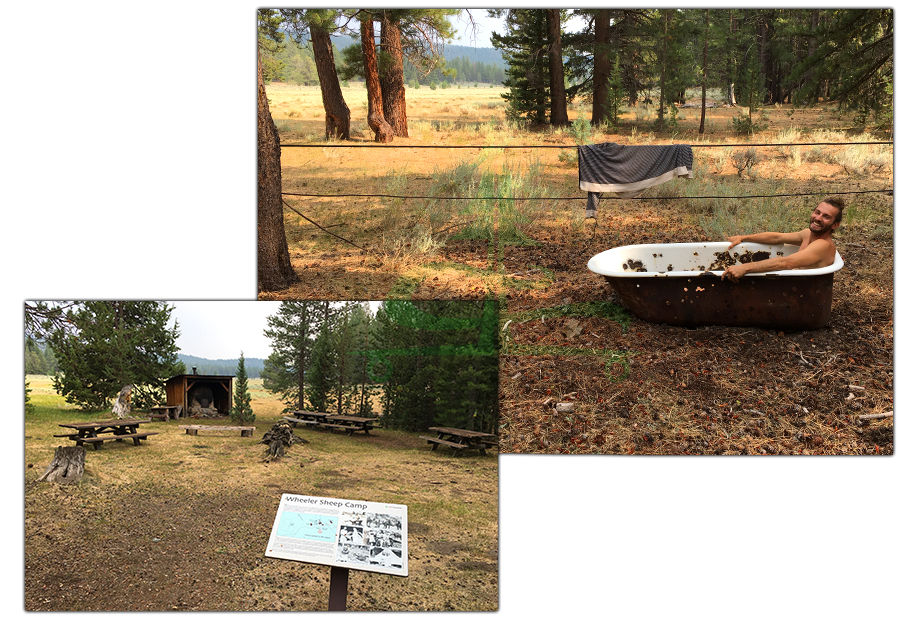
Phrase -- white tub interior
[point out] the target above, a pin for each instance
(686, 259)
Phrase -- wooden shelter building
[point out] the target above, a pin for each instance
(191, 390)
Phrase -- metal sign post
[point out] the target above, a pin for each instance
(337, 593)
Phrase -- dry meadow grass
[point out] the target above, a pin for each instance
(181, 522)
(421, 249)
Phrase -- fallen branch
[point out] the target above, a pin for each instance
(878, 415)
(319, 226)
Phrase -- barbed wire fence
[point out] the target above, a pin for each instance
(557, 147)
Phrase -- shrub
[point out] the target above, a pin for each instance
(581, 129)
(744, 125)
(746, 160)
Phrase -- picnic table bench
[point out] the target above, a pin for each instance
(96, 433)
(307, 418)
(293, 421)
(349, 423)
(165, 413)
(192, 429)
(460, 439)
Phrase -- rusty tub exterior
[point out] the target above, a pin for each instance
(681, 284)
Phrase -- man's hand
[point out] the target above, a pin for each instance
(734, 240)
(734, 273)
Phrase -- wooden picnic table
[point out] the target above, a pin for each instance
(307, 418)
(349, 423)
(97, 432)
(460, 439)
(164, 413)
(309, 415)
(313, 419)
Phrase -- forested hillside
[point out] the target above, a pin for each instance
(221, 366)
(463, 64)
(40, 359)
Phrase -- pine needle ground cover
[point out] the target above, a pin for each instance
(181, 522)
(704, 383)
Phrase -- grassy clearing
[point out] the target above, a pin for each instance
(404, 240)
(181, 522)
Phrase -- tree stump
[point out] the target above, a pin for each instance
(122, 407)
(280, 436)
(66, 467)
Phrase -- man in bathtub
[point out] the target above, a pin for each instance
(816, 245)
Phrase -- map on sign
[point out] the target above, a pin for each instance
(307, 526)
(369, 536)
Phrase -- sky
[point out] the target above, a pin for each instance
(480, 37)
(224, 329)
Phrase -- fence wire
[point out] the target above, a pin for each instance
(581, 197)
(559, 146)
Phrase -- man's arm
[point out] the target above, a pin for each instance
(769, 238)
(815, 255)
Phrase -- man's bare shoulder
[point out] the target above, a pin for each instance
(815, 254)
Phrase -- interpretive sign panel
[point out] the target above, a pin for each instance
(345, 533)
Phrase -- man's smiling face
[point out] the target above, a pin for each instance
(822, 219)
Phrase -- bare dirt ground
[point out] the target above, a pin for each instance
(181, 523)
(656, 389)
(638, 388)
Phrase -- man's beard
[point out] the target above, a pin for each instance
(822, 229)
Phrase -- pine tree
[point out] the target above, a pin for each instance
(528, 73)
(240, 409)
(853, 58)
(28, 405)
(437, 361)
(321, 380)
(114, 343)
(291, 330)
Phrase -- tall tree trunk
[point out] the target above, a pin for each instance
(273, 262)
(631, 69)
(662, 71)
(705, 68)
(392, 86)
(337, 114)
(365, 370)
(766, 63)
(558, 114)
(812, 42)
(383, 131)
(600, 111)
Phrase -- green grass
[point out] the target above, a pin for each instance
(605, 309)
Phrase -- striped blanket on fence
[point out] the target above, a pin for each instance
(626, 171)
